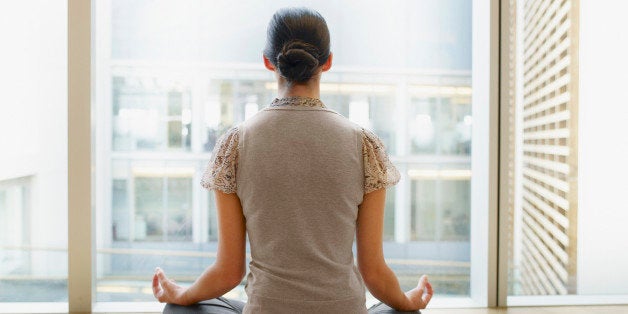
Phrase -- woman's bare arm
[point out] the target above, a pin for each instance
(378, 277)
(226, 272)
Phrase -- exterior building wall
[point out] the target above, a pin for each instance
(33, 140)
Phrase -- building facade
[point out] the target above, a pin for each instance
(546, 257)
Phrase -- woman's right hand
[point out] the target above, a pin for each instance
(420, 296)
(166, 290)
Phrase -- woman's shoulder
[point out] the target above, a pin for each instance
(230, 135)
(342, 120)
(228, 142)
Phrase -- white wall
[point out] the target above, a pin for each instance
(603, 148)
(33, 118)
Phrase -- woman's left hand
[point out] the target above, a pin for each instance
(166, 290)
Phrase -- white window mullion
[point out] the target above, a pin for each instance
(484, 156)
(102, 161)
(402, 192)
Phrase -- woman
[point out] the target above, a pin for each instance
(302, 181)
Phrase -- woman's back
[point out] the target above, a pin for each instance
(300, 180)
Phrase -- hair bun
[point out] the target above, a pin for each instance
(297, 43)
(297, 61)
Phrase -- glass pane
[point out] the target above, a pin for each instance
(179, 209)
(150, 114)
(33, 137)
(440, 209)
(149, 215)
(176, 77)
(565, 197)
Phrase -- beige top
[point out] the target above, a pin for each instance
(300, 171)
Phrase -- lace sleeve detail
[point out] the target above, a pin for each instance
(379, 172)
(221, 170)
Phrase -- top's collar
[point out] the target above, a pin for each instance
(297, 101)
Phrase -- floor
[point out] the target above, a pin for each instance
(622, 309)
(619, 309)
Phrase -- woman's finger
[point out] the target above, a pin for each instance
(419, 291)
(428, 295)
(157, 290)
(155, 282)
(428, 286)
(163, 280)
(426, 300)
(421, 286)
(422, 281)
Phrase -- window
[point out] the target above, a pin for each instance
(33, 171)
(149, 116)
(172, 78)
(15, 236)
(161, 202)
(561, 196)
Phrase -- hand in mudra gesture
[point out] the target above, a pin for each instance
(166, 290)
(422, 294)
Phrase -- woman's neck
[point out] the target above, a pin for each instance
(309, 89)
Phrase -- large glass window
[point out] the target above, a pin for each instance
(563, 192)
(172, 78)
(33, 140)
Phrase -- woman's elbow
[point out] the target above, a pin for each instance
(370, 274)
(235, 276)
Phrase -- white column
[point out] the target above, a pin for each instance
(402, 192)
(199, 212)
(103, 131)
(484, 155)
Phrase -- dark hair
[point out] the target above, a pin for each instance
(297, 43)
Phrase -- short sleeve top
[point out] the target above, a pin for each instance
(379, 171)
(301, 172)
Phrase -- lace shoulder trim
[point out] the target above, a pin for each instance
(379, 171)
(221, 169)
